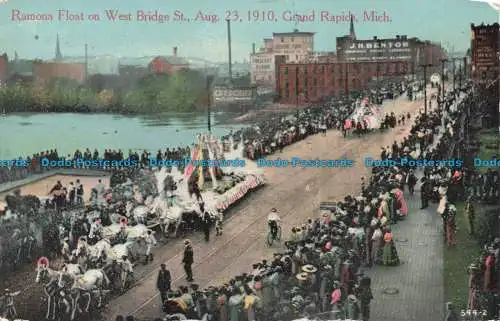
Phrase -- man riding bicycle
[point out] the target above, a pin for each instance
(273, 221)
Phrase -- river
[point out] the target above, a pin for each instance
(25, 134)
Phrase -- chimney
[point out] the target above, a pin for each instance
(175, 51)
(253, 48)
(374, 38)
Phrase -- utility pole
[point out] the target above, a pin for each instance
(425, 86)
(465, 68)
(346, 78)
(443, 62)
(229, 50)
(209, 102)
(297, 69)
(454, 75)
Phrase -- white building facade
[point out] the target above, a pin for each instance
(294, 46)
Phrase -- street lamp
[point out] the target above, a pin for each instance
(443, 61)
(425, 86)
(210, 80)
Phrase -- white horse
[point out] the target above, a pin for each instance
(96, 252)
(116, 253)
(111, 231)
(140, 214)
(134, 232)
(93, 281)
(70, 270)
(48, 277)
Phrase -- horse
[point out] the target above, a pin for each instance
(93, 281)
(140, 214)
(49, 279)
(69, 270)
(98, 252)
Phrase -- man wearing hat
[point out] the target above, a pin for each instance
(187, 260)
(163, 282)
(128, 268)
(411, 180)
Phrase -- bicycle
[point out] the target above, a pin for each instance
(271, 238)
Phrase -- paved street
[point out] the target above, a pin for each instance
(419, 279)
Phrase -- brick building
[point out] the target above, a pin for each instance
(485, 69)
(45, 72)
(304, 83)
(168, 64)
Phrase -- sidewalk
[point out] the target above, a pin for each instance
(9, 186)
(413, 291)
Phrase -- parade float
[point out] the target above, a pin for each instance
(218, 170)
(364, 113)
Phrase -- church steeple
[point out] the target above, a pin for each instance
(352, 33)
(59, 55)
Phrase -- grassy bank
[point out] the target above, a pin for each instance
(489, 145)
(458, 258)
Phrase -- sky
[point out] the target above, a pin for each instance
(445, 21)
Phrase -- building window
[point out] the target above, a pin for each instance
(287, 89)
(287, 57)
(286, 70)
(296, 56)
(282, 39)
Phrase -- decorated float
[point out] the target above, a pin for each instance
(364, 113)
(217, 169)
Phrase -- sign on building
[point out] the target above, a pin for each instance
(382, 49)
(484, 53)
(226, 94)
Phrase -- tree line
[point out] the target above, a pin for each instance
(181, 92)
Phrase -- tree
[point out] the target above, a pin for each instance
(179, 95)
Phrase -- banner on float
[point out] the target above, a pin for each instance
(190, 168)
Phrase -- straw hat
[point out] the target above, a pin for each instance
(302, 276)
(352, 298)
(309, 268)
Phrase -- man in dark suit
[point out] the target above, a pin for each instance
(187, 260)
(163, 282)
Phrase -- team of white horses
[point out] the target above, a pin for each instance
(85, 283)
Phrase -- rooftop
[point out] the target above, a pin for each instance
(294, 33)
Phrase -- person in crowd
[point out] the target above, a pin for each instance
(79, 192)
(207, 224)
(187, 260)
(163, 282)
(470, 215)
(150, 242)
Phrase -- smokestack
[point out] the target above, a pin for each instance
(253, 48)
(229, 48)
(175, 51)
